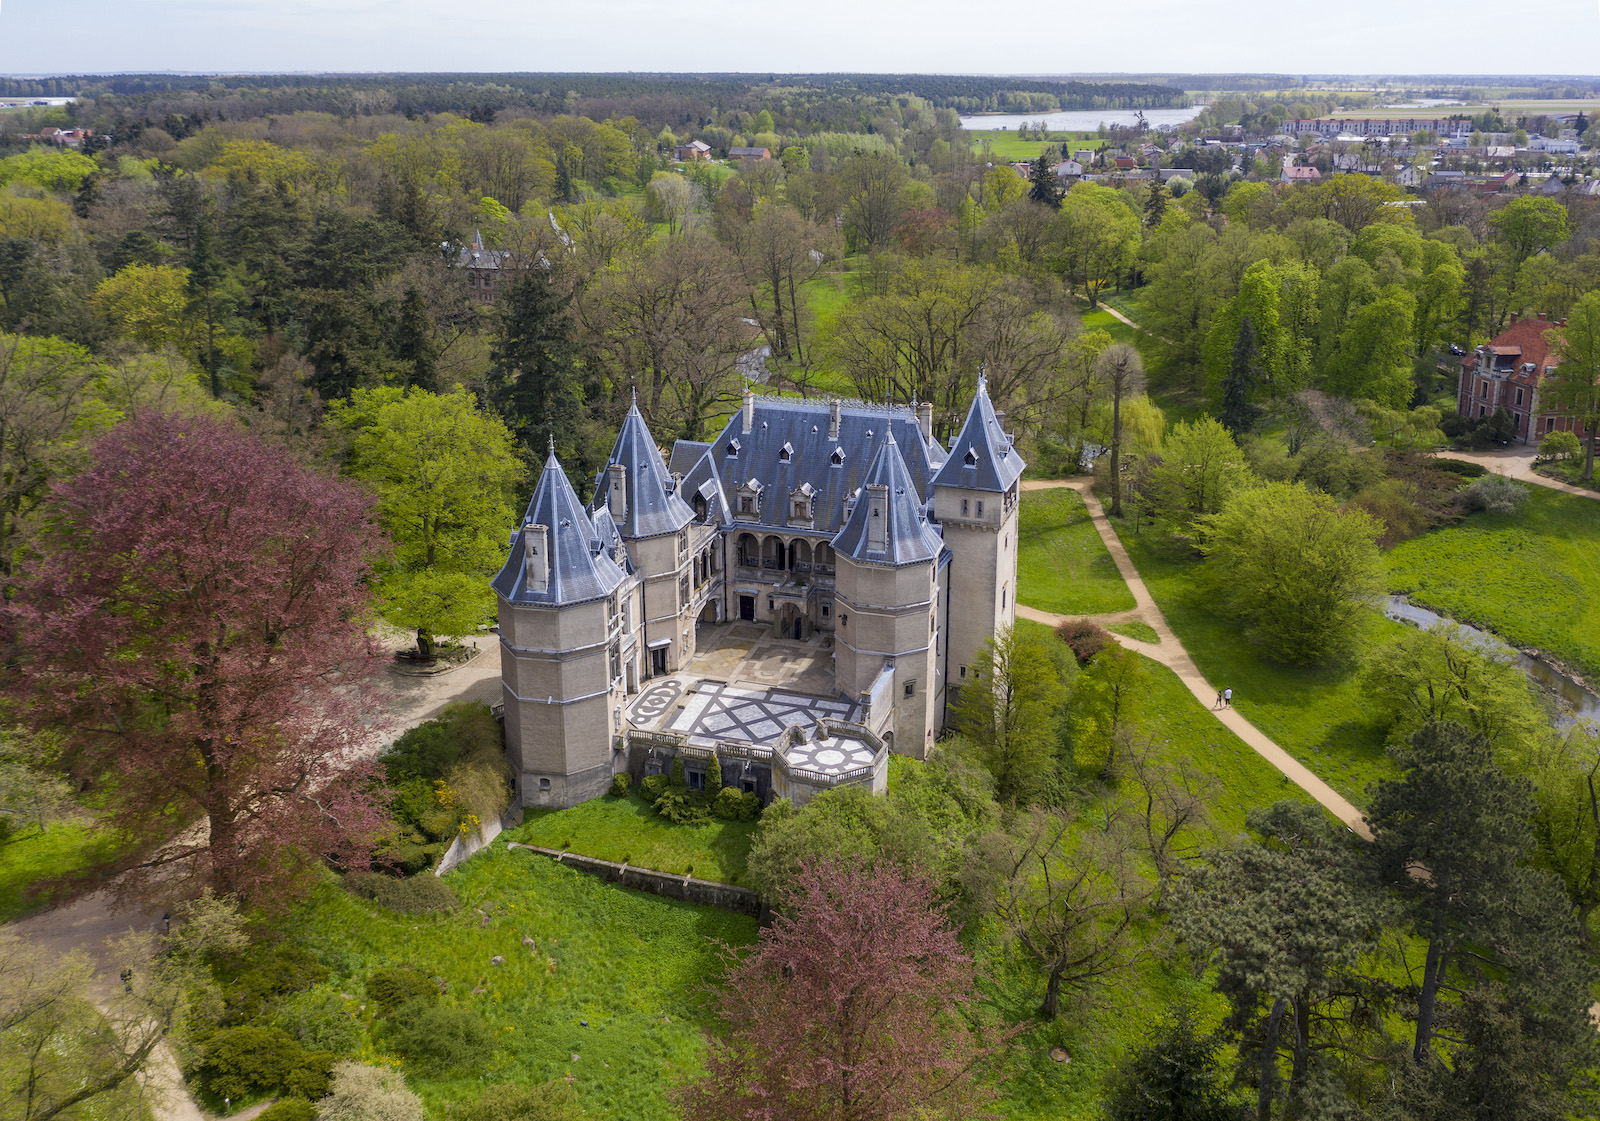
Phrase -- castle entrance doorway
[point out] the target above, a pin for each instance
(747, 608)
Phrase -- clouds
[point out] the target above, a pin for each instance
(1361, 36)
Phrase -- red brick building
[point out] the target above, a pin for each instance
(1507, 373)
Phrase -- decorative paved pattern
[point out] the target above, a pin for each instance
(734, 712)
(832, 756)
(655, 701)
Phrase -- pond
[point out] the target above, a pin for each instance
(1579, 702)
(1082, 120)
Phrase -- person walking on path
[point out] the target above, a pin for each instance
(1219, 699)
(1227, 698)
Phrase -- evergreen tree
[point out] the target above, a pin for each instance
(1239, 413)
(676, 776)
(563, 179)
(534, 381)
(205, 271)
(1175, 1075)
(1043, 180)
(713, 775)
(413, 342)
(1155, 207)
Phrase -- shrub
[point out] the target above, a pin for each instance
(682, 807)
(1462, 467)
(677, 771)
(1393, 504)
(713, 775)
(1497, 494)
(736, 805)
(1559, 445)
(256, 978)
(554, 1101)
(1085, 638)
(421, 894)
(439, 1039)
(652, 787)
(289, 1109)
(430, 750)
(319, 1021)
(239, 1060)
(391, 988)
(368, 1093)
(620, 784)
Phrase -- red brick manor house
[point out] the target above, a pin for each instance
(1508, 371)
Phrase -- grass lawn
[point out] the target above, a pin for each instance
(628, 829)
(1533, 578)
(63, 848)
(631, 964)
(1004, 144)
(1144, 632)
(1315, 714)
(1062, 565)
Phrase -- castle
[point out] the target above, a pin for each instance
(857, 565)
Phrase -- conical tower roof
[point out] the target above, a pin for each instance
(907, 538)
(982, 457)
(652, 509)
(580, 569)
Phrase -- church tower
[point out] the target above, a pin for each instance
(562, 630)
(888, 605)
(975, 501)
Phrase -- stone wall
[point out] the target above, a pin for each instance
(467, 844)
(707, 893)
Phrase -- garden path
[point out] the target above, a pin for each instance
(1170, 653)
(1517, 463)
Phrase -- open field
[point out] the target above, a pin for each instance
(1007, 146)
(64, 848)
(1532, 578)
(629, 830)
(1062, 565)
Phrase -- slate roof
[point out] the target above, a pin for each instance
(909, 539)
(477, 257)
(803, 427)
(982, 457)
(692, 459)
(652, 509)
(581, 568)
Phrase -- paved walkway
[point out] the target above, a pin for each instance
(1170, 653)
(1517, 463)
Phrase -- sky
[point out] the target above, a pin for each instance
(922, 36)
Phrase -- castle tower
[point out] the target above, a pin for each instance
(563, 622)
(640, 496)
(889, 607)
(975, 501)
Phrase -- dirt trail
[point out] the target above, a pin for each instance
(1170, 653)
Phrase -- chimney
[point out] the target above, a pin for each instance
(877, 518)
(1541, 317)
(1514, 317)
(925, 419)
(1561, 323)
(617, 490)
(749, 409)
(1000, 418)
(833, 419)
(536, 557)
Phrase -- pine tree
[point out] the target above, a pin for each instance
(534, 381)
(563, 179)
(205, 270)
(676, 778)
(1155, 207)
(1239, 413)
(713, 775)
(1044, 183)
(413, 342)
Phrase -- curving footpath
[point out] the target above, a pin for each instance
(1517, 463)
(1170, 653)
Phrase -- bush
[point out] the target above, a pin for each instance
(677, 771)
(430, 750)
(368, 1093)
(682, 806)
(620, 784)
(439, 1039)
(736, 805)
(422, 894)
(554, 1101)
(1497, 494)
(289, 1109)
(1462, 467)
(239, 1060)
(319, 1021)
(1559, 445)
(1393, 504)
(391, 988)
(1085, 638)
(254, 980)
(652, 787)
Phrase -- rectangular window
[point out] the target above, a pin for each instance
(911, 688)
(963, 507)
(826, 611)
(1003, 590)
(963, 671)
(844, 620)
(769, 603)
(1519, 396)
(747, 506)
(980, 507)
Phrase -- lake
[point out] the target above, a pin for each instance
(1082, 120)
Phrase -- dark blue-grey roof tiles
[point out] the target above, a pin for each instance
(652, 508)
(982, 457)
(581, 568)
(701, 488)
(908, 538)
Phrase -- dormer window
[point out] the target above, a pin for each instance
(971, 458)
(837, 458)
(733, 449)
(785, 453)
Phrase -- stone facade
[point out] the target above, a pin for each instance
(841, 523)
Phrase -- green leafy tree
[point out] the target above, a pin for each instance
(1121, 372)
(1098, 232)
(1010, 709)
(1299, 572)
(1260, 294)
(444, 471)
(1573, 387)
(1201, 468)
(1239, 413)
(1529, 224)
(1107, 705)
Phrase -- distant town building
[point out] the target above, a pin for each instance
(1370, 126)
(749, 154)
(692, 151)
(1293, 173)
(62, 137)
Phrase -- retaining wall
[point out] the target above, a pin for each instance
(466, 844)
(708, 893)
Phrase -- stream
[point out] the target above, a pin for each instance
(1579, 702)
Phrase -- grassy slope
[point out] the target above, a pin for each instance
(1317, 715)
(631, 964)
(1062, 565)
(63, 848)
(1532, 578)
(628, 829)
